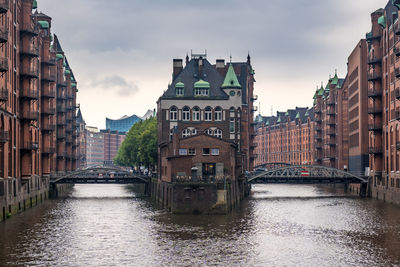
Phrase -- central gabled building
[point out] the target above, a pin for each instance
(205, 129)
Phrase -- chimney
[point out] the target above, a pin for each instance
(220, 66)
(177, 67)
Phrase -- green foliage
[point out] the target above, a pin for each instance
(140, 145)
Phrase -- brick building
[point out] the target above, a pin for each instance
(383, 104)
(204, 116)
(112, 142)
(287, 137)
(81, 140)
(31, 70)
(94, 147)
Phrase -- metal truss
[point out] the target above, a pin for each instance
(273, 165)
(305, 174)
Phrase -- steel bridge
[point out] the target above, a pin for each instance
(305, 174)
(272, 165)
(100, 175)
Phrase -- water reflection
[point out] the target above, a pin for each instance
(103, 225)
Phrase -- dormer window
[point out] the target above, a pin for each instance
(180, 89)
(201, 88)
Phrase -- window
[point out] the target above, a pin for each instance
(186, 113)
(173, 114)
(206, 151)
(192, 151)
(208, 114)
(179, 91)
(185, 133)
(182, 151)
(194, 131)
(215, 151)
(171, 133)
(209, 132)
(218, 114)
(201, 91)
(232, 125)
(218, 133)
(196, 114)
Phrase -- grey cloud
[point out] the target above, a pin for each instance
(117, 84)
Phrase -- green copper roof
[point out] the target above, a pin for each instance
(307, 114)
(43, 24)
(252, 72)
(73, 84)
(315, 95)
(279, 119)
(66, 72)
(287, 113)
(321, 91)
(267, 123)
(201, 84)
(327, 85)
(315, 102)
(179, 85)
(335, 79)
(298, 115)
(34, 4)
(382, 21)
(368, 35)
(59, 56)
(231, 80)
(72, 78)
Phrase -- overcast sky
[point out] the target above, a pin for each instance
(121, 51)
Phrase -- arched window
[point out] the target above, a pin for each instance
(218, 114)
(171, 133)
(208, 114)
(186, 113)
(173, 114)
(194, 131)
(209, 132)
(185, 133)
(196, 114)
(218, 133)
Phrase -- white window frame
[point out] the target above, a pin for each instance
(186, 113)
(208, 114)
(209, 131)
(218, 114)
(183, 151)
(214, 151)
(186, 133)
(192, 151)
(173, 114)
(218, 133)
(196, 114)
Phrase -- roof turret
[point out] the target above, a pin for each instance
(231, 80)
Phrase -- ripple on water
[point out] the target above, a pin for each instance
(279, 225)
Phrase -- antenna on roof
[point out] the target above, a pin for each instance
(335, 71)
(230, 58)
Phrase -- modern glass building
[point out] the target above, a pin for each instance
(123, 124)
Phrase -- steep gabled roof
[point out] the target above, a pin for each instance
(79, 117)
(231, 80)
(57, 45)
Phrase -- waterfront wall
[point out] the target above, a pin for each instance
(18, 195)
(198, 197)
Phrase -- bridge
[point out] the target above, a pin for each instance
(304, 174)
(272, 165)
(100, 175)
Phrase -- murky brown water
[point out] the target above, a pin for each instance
(105, 225)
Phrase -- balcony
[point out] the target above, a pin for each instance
(48, 77)
(254, 109)
(397, 145)
(330, 101)
(370, 36)
(3, 64)
(48, 110)
(61, 83)
(373, 127)
(70, 96)
(397, 72)
(48, 127)
(29, 145)
(48, 150)
(29, 115)
(397, 93)
(331, 112)
(29, 94)
(331, 132)
(61, 135)
(49, 93)
(61, 154)
(374, 76)
(3, 94)
(372, 93)
(375, 150)
(49, 61)
(330, 143)
(28, 29)
(29, 51)
(29, 72)
(254, 98)
(397, 115)
(318, 146)
(376, 109)
(4, 6)
(4, 136)
(331, 122)
(374, 60)
(3, 34)
(396, 50)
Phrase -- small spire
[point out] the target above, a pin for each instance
(230, 58)
(187, 57)
(248, 56)
(335, 71)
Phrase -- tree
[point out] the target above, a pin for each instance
(140, 145)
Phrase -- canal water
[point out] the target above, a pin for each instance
(106, 225)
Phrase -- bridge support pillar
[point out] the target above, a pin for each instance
(345, 187)
(363, 189)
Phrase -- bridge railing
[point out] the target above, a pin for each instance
(202, 179)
